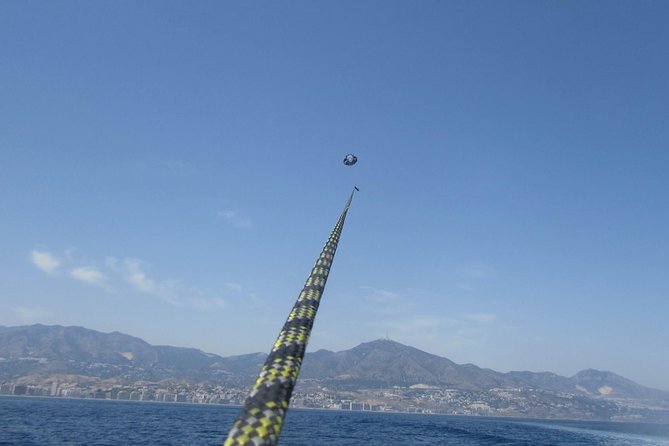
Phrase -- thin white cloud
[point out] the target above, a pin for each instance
(88, 274)
(169, 290)
(136, 276)
(416, 329)
(381, 296)
(386, 302)
(205, 304)
(132, 272)
(45, 261)
(234, 218)
(482, 318)
(234, 286)
(402, 316)
(433, 333)
(460, 343)
(31, 315)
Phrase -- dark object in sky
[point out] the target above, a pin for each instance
(350, 159)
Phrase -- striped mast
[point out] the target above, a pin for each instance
(261, 418)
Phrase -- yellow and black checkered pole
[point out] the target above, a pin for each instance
(261, 418)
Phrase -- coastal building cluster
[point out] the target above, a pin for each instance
(158, 392)
(396, 399)
(419, 398)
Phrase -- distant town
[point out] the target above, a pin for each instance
(501, 402)
(376, 376)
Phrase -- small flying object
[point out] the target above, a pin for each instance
(350, 159)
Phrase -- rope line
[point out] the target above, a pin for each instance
(261, 418)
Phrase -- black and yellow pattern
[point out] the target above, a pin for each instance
(261, 418)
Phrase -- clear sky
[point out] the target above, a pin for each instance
(171, 170)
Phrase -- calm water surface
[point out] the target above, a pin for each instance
(58, 421)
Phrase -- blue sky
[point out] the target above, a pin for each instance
(171, 170)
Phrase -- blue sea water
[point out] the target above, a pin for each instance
(56, 421)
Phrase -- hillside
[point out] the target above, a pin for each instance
(44, 351)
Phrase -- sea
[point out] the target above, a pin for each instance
(60, 421)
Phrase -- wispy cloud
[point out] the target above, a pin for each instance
(133, 272)
(136, 276)
(205, 304)
(45, 261)
(88, 274)
(418, 329)
(382, 296)
(256, 301)
(234, 286)
(403, 316)
(448, 334)
(386, 302)
(234, 218)
(31, 315)
(481, 318)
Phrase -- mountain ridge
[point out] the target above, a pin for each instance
(44, 350)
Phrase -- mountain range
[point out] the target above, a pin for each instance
(41, 352)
